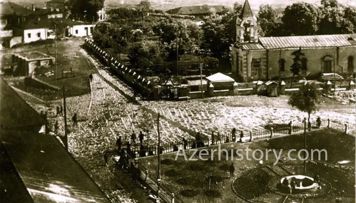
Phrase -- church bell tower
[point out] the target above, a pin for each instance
(246, 26)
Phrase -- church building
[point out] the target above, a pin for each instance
(271, 58)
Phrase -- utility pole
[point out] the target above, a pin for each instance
(201, 79)
(65, 139)
(55, 43)
(305, 145)
(158, 156)
(177, 52)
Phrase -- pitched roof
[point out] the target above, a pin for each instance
(246, 10)
(10, 8)
(15, 113)
(307, 41)
(219, 77)
(252, 46)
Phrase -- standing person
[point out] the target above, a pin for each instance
(57, 110)
(232, 170)
(118, 144)
(56, 127)
(233, 135)
(133, 138)
(219, 137)
(141, 136)
(212, 138)
(75, 119)
(241, 135)
(318, 122)
(184, 143)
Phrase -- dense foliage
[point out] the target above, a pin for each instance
(85, 9)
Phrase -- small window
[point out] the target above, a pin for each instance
(29, 35)
(76, 31)
(282, 65)
(39, 34)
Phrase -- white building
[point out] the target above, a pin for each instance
(36, 34)
(81, 30)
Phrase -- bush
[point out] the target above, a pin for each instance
(189, 193)
(171, 173)
(212, 193)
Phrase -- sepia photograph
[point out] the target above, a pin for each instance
(177, 101)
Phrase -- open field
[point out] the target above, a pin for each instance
(247, 113)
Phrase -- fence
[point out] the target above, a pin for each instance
(206, 140)
(163, 192)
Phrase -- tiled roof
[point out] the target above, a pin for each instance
(252, 46)
(307, 41)
(10, 8)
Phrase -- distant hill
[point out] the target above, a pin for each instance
(170, 4)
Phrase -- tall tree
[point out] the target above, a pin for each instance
(176, 36)
(85, 9)
(306, 99)
(143, 56)
(350, 15)
(297, 62)
(300, 19)
(333, 21)
(267, 18)
(144, 6)
(329, 3)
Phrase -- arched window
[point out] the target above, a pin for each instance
(327, 64)
(282, 65)
(350, 64)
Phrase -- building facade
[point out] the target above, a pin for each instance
(81, 30)
(266, 58)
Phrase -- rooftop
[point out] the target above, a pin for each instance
(219, 77)
(10, 8)
(48, 171)
(307, 41)
(33, 55)
(246, 10)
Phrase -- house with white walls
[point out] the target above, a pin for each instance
(81, 30)
(35, 34)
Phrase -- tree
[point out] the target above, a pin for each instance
(267, 18)
(143, 56)
(333, 21)
(306, 99)
(300, 19)
(85, 9)
(350, 15)
(297, 63)
(177, 36)
(329, 3)
(219, 32)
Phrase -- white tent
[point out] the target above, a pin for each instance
(220, 78)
